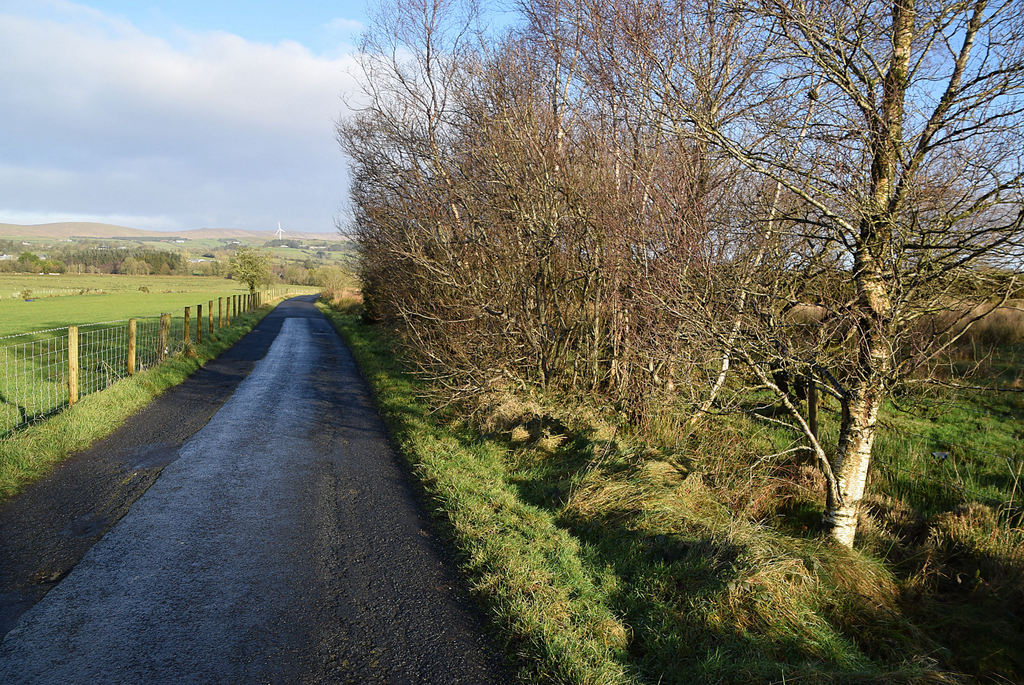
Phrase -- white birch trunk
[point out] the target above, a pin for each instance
(851, 462)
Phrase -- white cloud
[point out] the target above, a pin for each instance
(105, 120)
(343, 25)
(155, 223)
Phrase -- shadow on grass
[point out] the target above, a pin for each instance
(27, 419)
(671, 588)
(678, 591)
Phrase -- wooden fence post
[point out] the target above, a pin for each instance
(72, 364)
(131, 346)
(220, 312)
(209, 317)
(199, 323)
(163, 337)
(812, 407)
(185, 336)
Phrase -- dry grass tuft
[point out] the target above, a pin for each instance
(1004, 326)
(788, 590)
(519, 434)
(507, 413)
(977, 548)
(345, 300)
(806, 313)
(549, 443)
(890, 521)
(763, 494)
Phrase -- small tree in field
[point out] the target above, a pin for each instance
(252, 267)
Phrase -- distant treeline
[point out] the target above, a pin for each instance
(98, 261)
(128, 261)
(138, 260)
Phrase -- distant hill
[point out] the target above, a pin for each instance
(85, 229)
(67, 230)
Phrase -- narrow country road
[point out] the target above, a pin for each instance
(281, 542)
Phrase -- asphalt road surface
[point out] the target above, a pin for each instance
(280, 542)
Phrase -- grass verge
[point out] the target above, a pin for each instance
(528, 569)
(604, 561)
(31, 453)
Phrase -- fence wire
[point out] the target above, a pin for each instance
(33, 380)
(102, 357)
(34, 366)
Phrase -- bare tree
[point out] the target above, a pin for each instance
(908, 186)
(674, 201)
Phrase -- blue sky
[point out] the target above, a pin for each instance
(317, 25)
(175, 115)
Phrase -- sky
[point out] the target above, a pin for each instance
(176, 115)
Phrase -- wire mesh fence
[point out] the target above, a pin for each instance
(33, 379)
(36, 369)
(102, 356)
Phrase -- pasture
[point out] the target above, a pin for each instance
(34, 346)
(59, 301)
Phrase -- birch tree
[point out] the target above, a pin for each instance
(908, 186)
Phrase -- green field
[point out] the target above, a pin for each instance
(34, 365)
(12, 284)
(31, 452)
(105, 298)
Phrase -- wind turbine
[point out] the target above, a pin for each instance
(280, 231)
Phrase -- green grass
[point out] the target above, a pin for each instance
(945, 496)
(122, 297)
(32, 452)
(938, 451)
(11, 284)
(603, 560)
(943, 510)
(33, 366)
